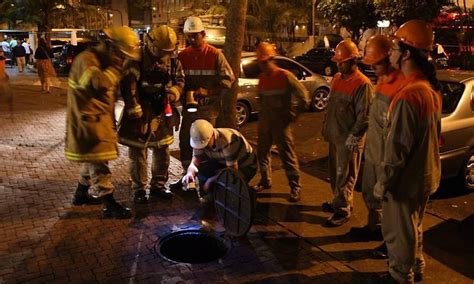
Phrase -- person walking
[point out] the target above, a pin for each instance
(19, 53)
(91, 138)
(27, 48)
(411, 167)
(208, 77)
(344, 128)
(389, 82)
(43, 55)
(280, 95)
(148, 88)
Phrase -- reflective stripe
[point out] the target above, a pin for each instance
(105, 156)
(273, 92)
(111, 75)
(87, 75)
(73, 85)
(200, 72)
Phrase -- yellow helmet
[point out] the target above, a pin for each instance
(125, 39)
(163, 38)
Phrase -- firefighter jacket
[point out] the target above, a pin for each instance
(411, 166)
(91, 95)
(206, 67)
(147, 83)
(386, 88)
(348, 107)
(281, 95)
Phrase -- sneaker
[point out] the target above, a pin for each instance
(139, 197)
(295, 195)
(260, 187)
(336, 220)
(117, 211)
(380, 252)
(177, 185)
(327, 207)
(161, 193)
(82, 197)
(364, 233)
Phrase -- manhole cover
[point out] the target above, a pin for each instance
(191, 246)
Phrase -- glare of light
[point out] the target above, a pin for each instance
(60, 6)
(13, 5)
(297, 27)
(111, 15)
(154, 8)
(383, 24)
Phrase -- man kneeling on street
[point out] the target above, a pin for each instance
(215, 149)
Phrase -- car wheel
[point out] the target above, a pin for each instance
(329, 70)
(320, 99)
(242, 113)
(468, 172)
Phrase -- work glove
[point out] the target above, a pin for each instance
(352, 143)
(190, 175)
(379, 191)
(135, 111)
(173, 94)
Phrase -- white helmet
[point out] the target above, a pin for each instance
(193, 25)
(201, 132)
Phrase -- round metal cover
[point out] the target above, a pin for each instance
(234, 205)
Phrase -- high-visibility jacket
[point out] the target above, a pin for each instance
(411, 166)
(348, 107)
(3, 74)
(386, 88)
(146, 83)
(91, 96)
(206, 67)
(281, 95)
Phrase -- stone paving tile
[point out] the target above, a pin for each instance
(46, 239)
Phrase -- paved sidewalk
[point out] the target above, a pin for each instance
(45, 239)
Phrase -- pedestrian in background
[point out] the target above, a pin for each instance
(19, 53)
(27, 48)
(150, 88)
(91, 137)
(389, 81)
(46, 72)
(282, 96)
(208, 77)
(5, 98)
(411, 167)
(344, 128)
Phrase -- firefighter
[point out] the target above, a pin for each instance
(388, 83)
(150, 88)
(344, 128)
(90, 126)
(208, 77)
(215, 149)
(410, 169)
(281, 97)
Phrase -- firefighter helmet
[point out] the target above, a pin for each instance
(345, 50)
(265, 51)
(124, 39)
(417, 34)
(163, 38)
(193, 25)
(201, 132)
(378, 48)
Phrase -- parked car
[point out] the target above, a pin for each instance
(63, 61)
(317, 86)
(457, 126)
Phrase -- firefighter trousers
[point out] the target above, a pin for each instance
(270, 133)
(403, 233)
(374, 206)
(185, 149)
(138, 167)
(98, 176)
(343, 171)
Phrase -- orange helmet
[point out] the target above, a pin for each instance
(417, 34)
(377, 48)
(345, 50)
(265, 51)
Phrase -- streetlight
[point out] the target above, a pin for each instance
(120, 13)
(312, 16)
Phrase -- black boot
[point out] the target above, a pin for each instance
(112, 209)
(160, 193)
(177, 185)
(295, 195)
(139, 196)
(81, 196)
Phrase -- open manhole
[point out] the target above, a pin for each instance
(191, 246)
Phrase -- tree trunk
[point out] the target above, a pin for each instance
(234, 39)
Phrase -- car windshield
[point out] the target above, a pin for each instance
(451, 93)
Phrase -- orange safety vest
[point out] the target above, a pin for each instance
(199, 61)
(2, 69)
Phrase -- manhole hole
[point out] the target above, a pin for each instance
(191, 246)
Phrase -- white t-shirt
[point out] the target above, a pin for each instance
(27, 47)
